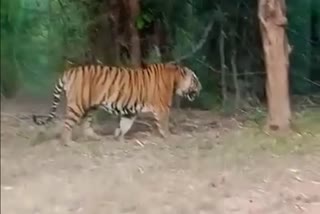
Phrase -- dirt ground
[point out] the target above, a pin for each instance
(209, 165)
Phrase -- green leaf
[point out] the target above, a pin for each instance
(140, 23)
(147, 17)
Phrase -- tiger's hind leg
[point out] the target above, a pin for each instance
(126, 123)
(162, 122)
(72, 118)
(87, 130)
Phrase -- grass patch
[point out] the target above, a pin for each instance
(251, 140)
(308, 121)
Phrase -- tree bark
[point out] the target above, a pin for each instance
(135, 51)
(272, 16)
(115, 21)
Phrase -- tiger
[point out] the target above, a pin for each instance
(121, 91)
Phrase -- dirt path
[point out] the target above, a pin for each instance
(201, 169)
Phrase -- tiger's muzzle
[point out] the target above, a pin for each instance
(191, 95)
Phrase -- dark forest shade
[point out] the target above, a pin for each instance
(315, 43)
(299, 33)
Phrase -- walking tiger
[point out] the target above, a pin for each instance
(121, 91)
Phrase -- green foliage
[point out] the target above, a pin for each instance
(144, 19)
(35, 37)
(10, 19)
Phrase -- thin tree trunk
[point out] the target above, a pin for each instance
(272, 16)
(223, 68)
(115, 19)
(135, 51)
(235, 79)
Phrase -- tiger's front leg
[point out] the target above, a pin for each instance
(162, 122)
(126, 123)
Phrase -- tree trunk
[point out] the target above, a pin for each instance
(272, 16)
(135, 51)
(115, 21)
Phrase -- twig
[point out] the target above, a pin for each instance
(208, 66)
(15, 117)
(139, 142)
(199, 45)
(24, 115)
(219, 72)
(312, 82)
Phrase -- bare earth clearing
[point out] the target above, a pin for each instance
(210, 165)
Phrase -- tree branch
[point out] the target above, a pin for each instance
(199, 45)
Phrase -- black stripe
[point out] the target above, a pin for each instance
(119, 95)
(99, 73)
(92, 80)
(141, 87)
(104, 98)
(105, 73)
(56, 98)
(67, 124)
(77, 114)
(74, 120)
(149, 71)
(114, 78)
(130, 85)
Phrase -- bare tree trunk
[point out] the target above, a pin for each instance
(223, 68)
(115, 19)
(135, 51)
(235, 79)
(272, 16)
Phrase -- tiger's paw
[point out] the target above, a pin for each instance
(118, 136)
(69, 143)
(91, 135)
(163, 134)
(117, 133)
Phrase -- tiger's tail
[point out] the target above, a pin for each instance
(59, 87)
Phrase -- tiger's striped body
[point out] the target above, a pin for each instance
(121, 91)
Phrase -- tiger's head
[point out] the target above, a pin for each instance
(187, 83)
